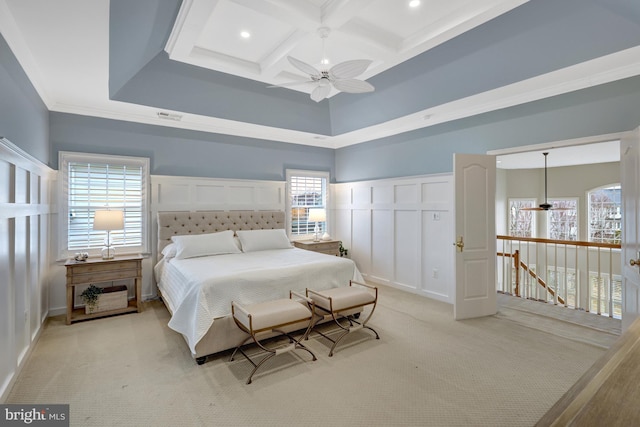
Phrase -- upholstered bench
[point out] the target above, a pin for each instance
(339, 301)
(273, 316)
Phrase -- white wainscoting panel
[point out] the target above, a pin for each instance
(381, 247)
(400, 231)
(25, 185)
(176, 193)
(406, 248)
(361, 239)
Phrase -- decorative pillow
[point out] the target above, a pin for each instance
(262, 240)
(195, 245)
(169, 251)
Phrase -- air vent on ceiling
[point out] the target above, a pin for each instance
(169, 116)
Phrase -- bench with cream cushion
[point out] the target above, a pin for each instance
(338, 302)
(281, 316)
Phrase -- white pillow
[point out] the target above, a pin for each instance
(169, 251)
(262, 240)
(195, 245)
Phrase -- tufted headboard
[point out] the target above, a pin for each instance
(180, 223)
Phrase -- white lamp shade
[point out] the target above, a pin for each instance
(317, 215)
(108, 220)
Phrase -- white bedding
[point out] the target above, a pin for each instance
(198, 290)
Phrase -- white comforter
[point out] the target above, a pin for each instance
(198, 290)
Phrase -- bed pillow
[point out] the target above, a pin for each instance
(262, 240)
(169, 251)
(196, 245)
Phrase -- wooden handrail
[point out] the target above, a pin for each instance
(533, 274)
(562, 242)
(540, 281)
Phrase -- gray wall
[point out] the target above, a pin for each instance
(608, 108)
(183, 152)
(24, 119)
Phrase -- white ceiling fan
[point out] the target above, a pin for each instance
(341, 76)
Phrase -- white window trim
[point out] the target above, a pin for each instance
(64, 158)
(288, 205)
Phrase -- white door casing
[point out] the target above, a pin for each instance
(630, 184)
(475, 237)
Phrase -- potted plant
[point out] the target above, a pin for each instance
(343, 252)
(90, 296)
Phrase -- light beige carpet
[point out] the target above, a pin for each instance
(426, 370)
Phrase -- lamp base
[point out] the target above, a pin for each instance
(108, 252)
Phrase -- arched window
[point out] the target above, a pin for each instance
(605, 215)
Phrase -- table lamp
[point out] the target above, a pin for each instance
(108, 220)
(317, 215)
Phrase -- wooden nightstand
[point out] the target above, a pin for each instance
(93, 271)
(329, 247)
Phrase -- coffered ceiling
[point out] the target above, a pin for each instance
(210, 33)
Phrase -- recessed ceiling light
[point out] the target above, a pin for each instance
(414, 3)
(245, 34)
(325, 61)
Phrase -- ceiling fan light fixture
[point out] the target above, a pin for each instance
(546, 206)
(340, 77)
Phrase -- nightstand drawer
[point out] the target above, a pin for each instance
(102, 272)
(329, 247)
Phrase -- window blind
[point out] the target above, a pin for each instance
(93, 186)
(306, 192)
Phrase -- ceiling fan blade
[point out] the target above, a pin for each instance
(532, 209)
(304, 67)
(353, 86)
(320, 92)
(349, 69)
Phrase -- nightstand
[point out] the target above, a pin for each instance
(94, 271)
(329, 247)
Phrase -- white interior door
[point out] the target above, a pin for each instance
(630, 184)
(475, 236)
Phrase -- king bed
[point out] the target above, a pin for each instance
(207, 259)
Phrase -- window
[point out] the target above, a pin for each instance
(306, 189)
(562, 224)
(521, 223)
(605, 218)
(92, 182)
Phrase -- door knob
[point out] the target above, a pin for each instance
(634, 262)
(459, 244)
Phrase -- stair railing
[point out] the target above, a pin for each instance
(575, 274)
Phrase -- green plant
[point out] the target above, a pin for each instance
(90, 296)
(343, 251)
